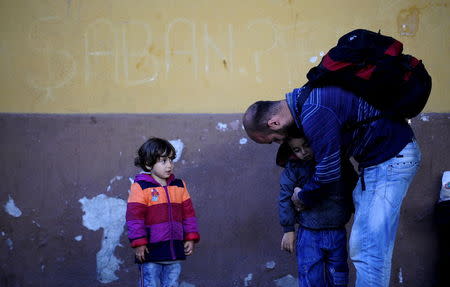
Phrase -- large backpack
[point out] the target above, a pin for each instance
(373, 67)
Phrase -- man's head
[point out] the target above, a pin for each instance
(268, 121)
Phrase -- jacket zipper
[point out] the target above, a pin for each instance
(172, 251)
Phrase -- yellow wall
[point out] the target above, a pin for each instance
(197, 56)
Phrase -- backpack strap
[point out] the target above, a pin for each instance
(352, 126)
(305, 91)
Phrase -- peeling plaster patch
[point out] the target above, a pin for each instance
(11, 208)
(248, 280)
(243, 141)
(107, 213)
(116, 178)
(270, 265)
(221, 127)
(10, 243)
(286, 281)
(185, 284)
(400, 276)
(234, 125)
(78, 238)
(425, 118)
(322, 53)
(178, 145)
(37, 224)
(313, 59)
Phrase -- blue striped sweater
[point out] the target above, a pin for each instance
(323, 116)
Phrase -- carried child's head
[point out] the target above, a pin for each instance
(294, 149)
(301, 148)
(156, 156)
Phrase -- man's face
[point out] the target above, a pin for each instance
(268, 138)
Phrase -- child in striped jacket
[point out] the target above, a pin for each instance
(161, 222)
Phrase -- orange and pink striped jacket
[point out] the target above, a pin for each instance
(161, 217)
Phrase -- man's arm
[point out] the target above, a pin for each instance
(323, 131)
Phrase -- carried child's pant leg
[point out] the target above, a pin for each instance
(322, 257)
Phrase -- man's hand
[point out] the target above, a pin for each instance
(287, 242)
(297, 203)
(140, 252)
(188, 247)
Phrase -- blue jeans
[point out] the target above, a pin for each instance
(377, 212)
(159, 275)
(322, 257)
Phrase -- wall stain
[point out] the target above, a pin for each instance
(140, 63)
(225, 65)
(152, 50)
(206, 83)
(408, 20)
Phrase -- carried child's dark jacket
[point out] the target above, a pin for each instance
(333, 205)
(161, 217)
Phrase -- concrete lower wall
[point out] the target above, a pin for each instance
(65, 180)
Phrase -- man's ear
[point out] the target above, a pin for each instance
(274, 123)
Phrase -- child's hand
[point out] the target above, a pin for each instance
(287, 242)
(297, 203)
(140, 252)
(188, 247)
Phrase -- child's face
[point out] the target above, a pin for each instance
(163, 167)
(301, 148)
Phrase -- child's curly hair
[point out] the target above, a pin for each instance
(149, 153)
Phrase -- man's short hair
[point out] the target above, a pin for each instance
(258, 114)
